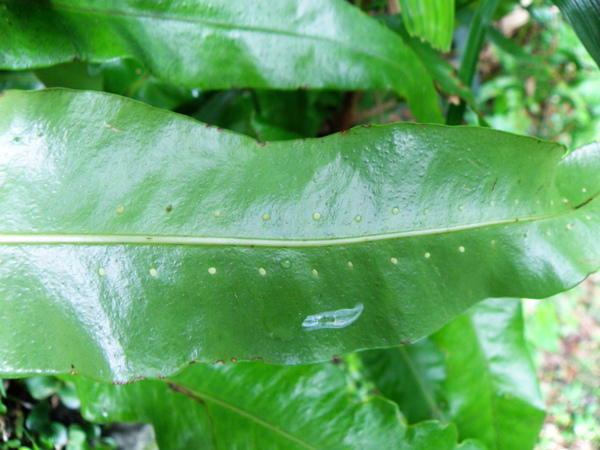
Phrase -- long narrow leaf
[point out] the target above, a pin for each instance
(411, 376)
(584, 16)
(262, 406)
(486, 383)
(492, 388)
(136, 240)
(470, 58)
(217, 45)
(443, 73)
(431, 20)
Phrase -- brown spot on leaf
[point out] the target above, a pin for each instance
(169, 208)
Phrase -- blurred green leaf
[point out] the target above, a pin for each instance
(491, 386)
(543, 327)
(584, 16)
(484, 379)
(39, 417)
(444, 74)
(68, 395)
(411, 376)
(128, 77)
(77, 438)
(511, 47)
(262, 406)
(431, 20)
(300, 112)
(470, 55)
(322, 44)
(23, 79)
(267, 132)
(72, 75)
(56, 434)
(42, 387)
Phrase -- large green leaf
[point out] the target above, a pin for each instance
(277, 45)
(431, 20)
(584, 16)
(254, 405)
(486, 384)
(440, 70)
(133, 240)
(411, 376)
(492, 388)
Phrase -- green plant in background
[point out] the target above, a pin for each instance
(36, 412)
(546, 85)
(134, 241)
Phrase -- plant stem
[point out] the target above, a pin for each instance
(468, 65)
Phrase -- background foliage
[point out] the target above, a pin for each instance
(471, 382)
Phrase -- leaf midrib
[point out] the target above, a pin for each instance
(491, 381)
(431, 403)
(216, 24)
(202, 396)
(116, 239)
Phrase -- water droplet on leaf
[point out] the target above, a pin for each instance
(333, 319)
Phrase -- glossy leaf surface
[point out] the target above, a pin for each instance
(431, 20)
(261, 406)
(411, 376)
(217, 45)
(137, 240)
(441, 71)
(491, 387)
(584, 16)
(486, 384)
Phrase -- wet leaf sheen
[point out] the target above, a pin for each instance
(306, 407)
(137, 240)
(318, 44)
